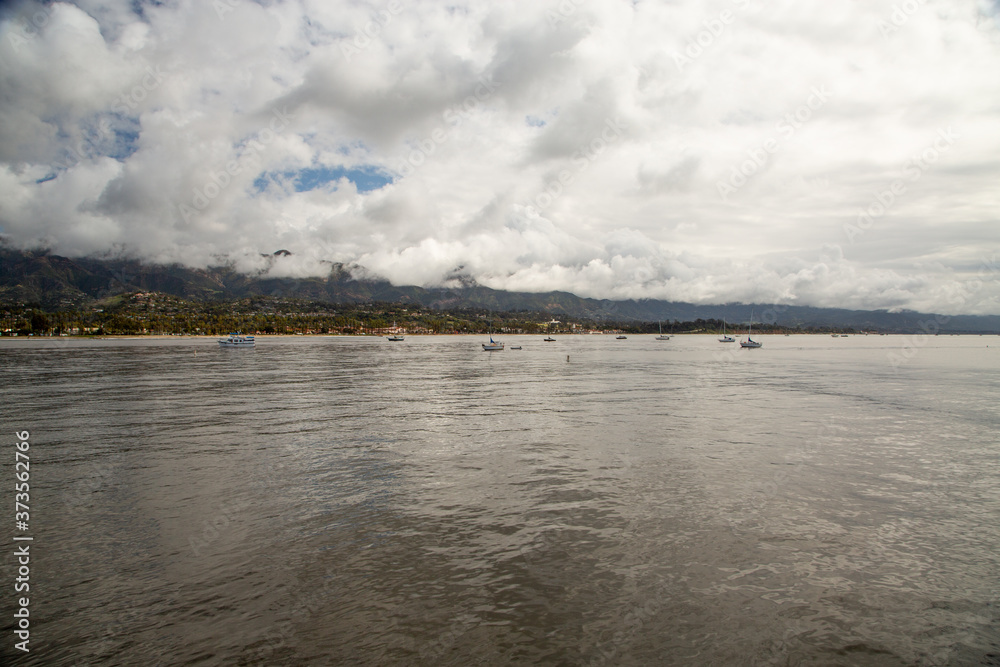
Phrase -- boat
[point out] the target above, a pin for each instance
(725, 338)
(661, 336)
(750, 342)
(515, 347)
(621, 337)
(395, 336)
(493, 345)
(236, 339)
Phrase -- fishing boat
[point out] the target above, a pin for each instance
(236, 339)
(750, 342)
(725, 338)
(661, 336)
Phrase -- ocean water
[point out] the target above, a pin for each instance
(583, 502)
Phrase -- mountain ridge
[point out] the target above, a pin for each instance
(54, 282)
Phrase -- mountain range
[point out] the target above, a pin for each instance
(52, 282)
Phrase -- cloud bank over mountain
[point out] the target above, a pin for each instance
(824, 154)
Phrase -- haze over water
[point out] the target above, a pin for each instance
(355, 501)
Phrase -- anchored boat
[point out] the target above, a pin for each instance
(493, 345)
(725, 338)
(237, 339)
(750, 342)
(395, 336)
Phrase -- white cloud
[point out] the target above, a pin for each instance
(146, 130)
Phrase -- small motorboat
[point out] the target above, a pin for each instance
(549, 339)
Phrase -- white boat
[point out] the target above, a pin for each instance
(750, 342)
(725, 338)
(237, 339)
(661, 336)
(493, 345)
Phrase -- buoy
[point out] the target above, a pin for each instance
(567, 357)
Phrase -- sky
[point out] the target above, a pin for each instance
(832, 154)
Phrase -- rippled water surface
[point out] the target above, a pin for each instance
(583, 502)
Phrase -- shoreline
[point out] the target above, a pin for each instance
(422, 335)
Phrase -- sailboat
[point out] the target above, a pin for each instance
(394, 336)
(661, 336)
(725, 338)
(493, 345)
(749, 342)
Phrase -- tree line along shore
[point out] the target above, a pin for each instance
(153, 313)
